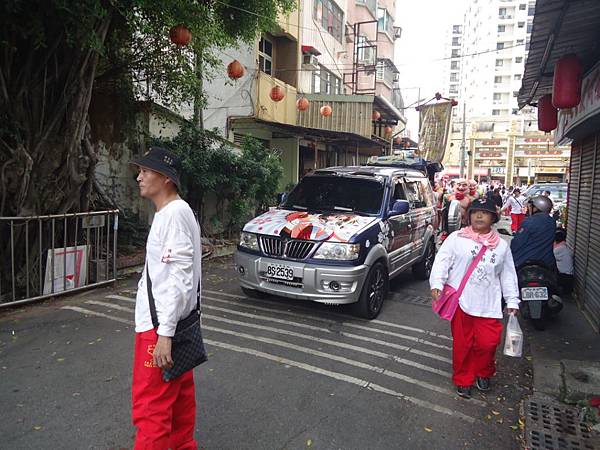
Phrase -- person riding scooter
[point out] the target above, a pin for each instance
(535, 238)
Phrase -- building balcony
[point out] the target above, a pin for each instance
(266, 109)
(350, 113)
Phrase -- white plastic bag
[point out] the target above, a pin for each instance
(513, 344)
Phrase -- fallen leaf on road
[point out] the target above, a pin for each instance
(60, 359)
(429, 430)
(37, 427)
(521, 424)
(501, 420)
(528, 358)
(496, 413)
(91, 343)
(488, 417)
(76, 394)
(309, 443)
(514, 427)
(98, 340)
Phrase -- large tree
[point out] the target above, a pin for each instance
(53, 53)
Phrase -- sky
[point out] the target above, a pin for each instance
(425, 24)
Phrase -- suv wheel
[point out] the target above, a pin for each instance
(422, 269)
(373, 293)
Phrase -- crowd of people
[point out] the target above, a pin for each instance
(480, 268)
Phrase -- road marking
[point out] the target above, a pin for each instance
(111, 305)
(89, 312)
(379, 322)
(355, 348)
(343, 377)
(341, 359)
(333, 322)
(121, 297)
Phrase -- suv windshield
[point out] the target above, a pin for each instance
(334, 193)
(557, 191)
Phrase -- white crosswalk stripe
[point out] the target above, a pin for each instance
(323, 345)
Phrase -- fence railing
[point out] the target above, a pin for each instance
(45, 256)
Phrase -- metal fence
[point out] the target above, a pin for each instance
(45, 256)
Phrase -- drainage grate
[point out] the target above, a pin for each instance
(553, 426)
(413, 299)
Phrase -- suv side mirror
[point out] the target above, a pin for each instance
(399, 207)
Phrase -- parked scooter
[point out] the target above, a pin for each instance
(539, 293)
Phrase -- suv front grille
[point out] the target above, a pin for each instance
(296, 249)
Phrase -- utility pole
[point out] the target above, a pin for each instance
(463, 145)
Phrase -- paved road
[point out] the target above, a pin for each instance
(281, 375)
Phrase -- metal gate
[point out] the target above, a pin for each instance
(45, 256)
(584, 224)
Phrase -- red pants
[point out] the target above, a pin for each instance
(475, 340)
(516, 220)
(164, 413)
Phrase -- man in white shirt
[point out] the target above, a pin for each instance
(164, 413)
(516, 203)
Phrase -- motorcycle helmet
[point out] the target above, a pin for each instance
(541, 203)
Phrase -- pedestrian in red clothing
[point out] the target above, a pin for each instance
(476, 325)
(164, 413)
(516, 204)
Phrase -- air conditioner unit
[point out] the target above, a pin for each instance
(310, 61)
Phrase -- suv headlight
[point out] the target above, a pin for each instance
(248, 240)
(338, 252)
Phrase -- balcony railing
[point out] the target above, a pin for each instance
(283, 111)
(350, 113)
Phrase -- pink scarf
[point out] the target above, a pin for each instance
(490, 240)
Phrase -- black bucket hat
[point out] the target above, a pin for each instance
(484, 204)
(162, 161)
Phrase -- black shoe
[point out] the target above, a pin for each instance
(483, 384)
(464, 391)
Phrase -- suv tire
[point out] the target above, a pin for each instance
(422, 269)
(374, 292)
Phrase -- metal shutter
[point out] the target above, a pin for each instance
(584, 227)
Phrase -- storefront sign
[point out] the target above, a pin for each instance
(569, 119)
(497, 170)
(490, 155)
(434, 125)
(487, 143)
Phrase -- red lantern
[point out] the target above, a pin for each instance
(235, 70)
(180, 35)
(302, 104)
(326, 110)
(388, 130)
(277, 94)
(547, 114)
(566, 89)
(454, 102)
(376, 115)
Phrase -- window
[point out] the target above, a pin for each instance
(497, 96)
(325, 82)
(521, 24)
(520, 41)
(502, 11)
(454, 53)
(265, 56)
(495, 112)
(455, 41)
(529, 27)
(453, 76)
(519, 59)
(454, 65)
(515, 93)
(522, 7)
(517, 76)
(501, 28)
(416, 193)
(456, 29)
(515, 111)
(385, 72)
(499, 45)
(497, 80)
(385, 22)
(454, 89)
(330, 16)
(527, 44)
(531, 10)
(499, 63)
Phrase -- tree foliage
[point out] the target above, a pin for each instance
(53, 53)
(241, 182)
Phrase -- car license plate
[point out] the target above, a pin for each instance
(280, 272)
(534, 293)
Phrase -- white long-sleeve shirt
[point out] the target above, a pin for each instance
(493, 278)
(173, 259)
(517, 204)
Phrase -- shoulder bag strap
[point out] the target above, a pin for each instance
(471, 269)
(153, 304)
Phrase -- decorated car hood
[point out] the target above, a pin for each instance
(334, 227)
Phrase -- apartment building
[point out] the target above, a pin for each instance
(452, 68)
(333, 53)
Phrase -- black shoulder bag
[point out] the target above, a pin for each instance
(187, 346)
